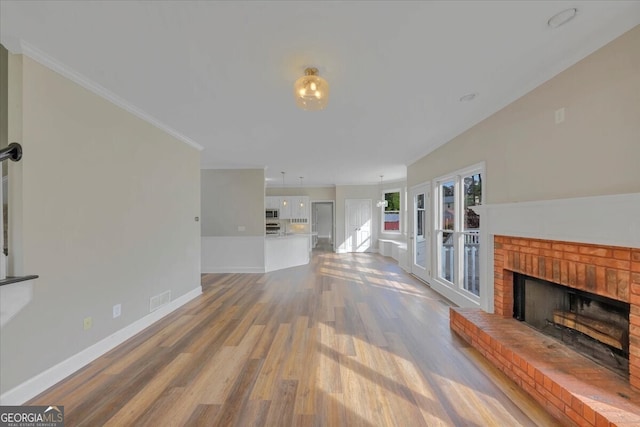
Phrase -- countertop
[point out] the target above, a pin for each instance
(286, 236)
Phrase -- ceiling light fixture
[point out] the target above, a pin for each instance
(382, 203)
(311, 91)
(301, 197)
(468, 97)
(284, 200)
(562, 18)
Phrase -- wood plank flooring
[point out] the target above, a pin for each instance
(348, 340)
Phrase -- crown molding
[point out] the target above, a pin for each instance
(51, 63)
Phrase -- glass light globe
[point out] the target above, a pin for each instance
(311, 91)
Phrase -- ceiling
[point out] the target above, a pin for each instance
(219, 75)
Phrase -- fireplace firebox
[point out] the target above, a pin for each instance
(593, 325)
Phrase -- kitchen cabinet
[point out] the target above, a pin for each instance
(300, 208)
(285, 207)
(290, 207)
(272, 202)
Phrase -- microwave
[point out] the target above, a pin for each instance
(271, 214)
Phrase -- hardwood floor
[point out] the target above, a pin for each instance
(349, 340)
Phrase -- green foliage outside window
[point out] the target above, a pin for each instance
(393, 200)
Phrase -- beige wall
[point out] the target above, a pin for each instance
(314, 193)
(108, 204)
(232, 198)
(529, 157)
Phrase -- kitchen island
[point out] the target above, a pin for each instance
(284, 251)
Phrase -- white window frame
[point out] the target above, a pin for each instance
(456, 284)
(382, 211)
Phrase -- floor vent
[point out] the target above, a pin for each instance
(158, 301)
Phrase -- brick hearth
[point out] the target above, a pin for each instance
(572, 387)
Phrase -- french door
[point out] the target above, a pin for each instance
(421, 234)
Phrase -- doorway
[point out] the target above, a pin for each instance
(322, 225)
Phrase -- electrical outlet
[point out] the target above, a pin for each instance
(559, 115)
(241, 228)
(117, 310)
(88, 323)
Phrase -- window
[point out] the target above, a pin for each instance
(457, 228)
(391, 212)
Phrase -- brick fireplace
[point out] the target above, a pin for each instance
(608, 271)
(573, 388)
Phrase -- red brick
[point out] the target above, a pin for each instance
(564, 272)
(557, 390)
(622, 254)
(572, 257)
(635, 255)
(576, 417)
(612, 282)
(540, 244)
(573, 274)
(552, 254)
(577, 405)
(601, 421)
(582, 275)
(520, 242)
(635, 267)
(596, 251)
(589, 414)
(558, 403)
(635, 278)
(565, 247)
(548, 267)
(539, 377)
(623, 285)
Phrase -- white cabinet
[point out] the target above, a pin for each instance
(285, 207)
(272, 202)
(290, 207)
(300, 208)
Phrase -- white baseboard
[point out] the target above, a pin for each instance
(36, 385)
(206, 269)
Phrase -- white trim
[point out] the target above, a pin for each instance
(36, 385)
(53, 64)
(455, 291)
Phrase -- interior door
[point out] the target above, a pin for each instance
(421, 234)
(358, 225)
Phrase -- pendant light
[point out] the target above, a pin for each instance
(311, 91)
(301, 199)
(284, 200)
(382, 203)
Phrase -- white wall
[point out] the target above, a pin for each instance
(103, 209)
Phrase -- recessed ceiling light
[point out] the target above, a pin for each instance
(469, 97)
(562, 18)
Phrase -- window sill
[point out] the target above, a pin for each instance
(10, 280)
